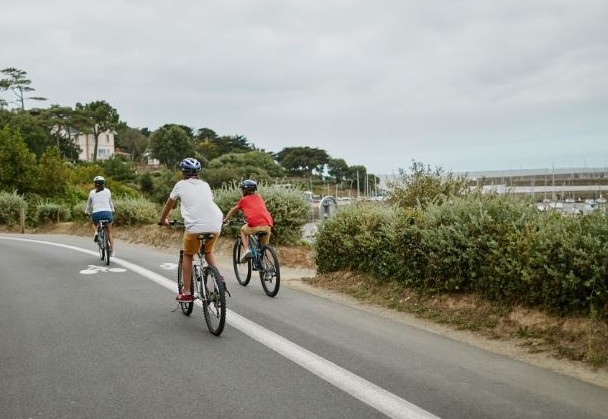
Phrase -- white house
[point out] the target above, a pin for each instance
(151, 160)
(86, 142)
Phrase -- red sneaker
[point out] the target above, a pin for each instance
(184, 298)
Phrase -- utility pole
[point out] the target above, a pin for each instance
(357, 184)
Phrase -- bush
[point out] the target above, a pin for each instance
(134, 211)
(78, 212)
(497, 246)
(424, 185)
(568, 263)
(403, 254)
(11, 205)
(286, 205)
(354, 239)
(156, 186)
(476, 243)
(49, 212)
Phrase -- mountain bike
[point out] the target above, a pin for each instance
(263, 260)
(206, 285)
(103, 241)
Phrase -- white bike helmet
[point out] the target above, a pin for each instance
(190, 166)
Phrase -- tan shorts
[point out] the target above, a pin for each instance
(191, 243)
(252, 230)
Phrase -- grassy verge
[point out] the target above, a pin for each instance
(571, 338)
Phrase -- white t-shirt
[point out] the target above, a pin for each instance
(100, 201)
(201, 214)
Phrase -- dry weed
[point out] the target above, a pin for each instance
(578, 338)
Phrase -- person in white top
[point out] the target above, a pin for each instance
(201, 215)
(101, 207)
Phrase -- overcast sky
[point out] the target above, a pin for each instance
(467, 85)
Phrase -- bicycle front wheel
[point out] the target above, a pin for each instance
(270, 274)
(214, 301)
(185, 307)
(241, 270)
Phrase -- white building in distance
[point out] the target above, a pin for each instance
(86, 143)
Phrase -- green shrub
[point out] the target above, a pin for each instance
(119, 169)
(49, 212)
(497, 246)
(354, 239)
(286, 205)
(568, 265)
(156, 186)
(11, 205)
(289, 211)
(128, 211)
(475, 243)
(78, 212)
(146, 184)
(423, 185)
(404, 255)
(135, 211)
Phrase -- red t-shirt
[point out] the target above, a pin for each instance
(255, 211)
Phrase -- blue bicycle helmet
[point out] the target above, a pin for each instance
(190, 166)
(249, 185)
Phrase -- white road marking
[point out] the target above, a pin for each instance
(93, 269)
(388, 403)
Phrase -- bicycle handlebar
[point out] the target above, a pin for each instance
(172, 223)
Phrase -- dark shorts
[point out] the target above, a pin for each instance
(102, 215)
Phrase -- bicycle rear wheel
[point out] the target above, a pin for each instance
(214, 301)
(241, 270)
(106, 245)
(270, 274)
(185, 307)
(100, 244)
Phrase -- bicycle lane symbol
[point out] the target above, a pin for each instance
(93, 269)
(168, 266)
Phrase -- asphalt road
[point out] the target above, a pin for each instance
(78, 340)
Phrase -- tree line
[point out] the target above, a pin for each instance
(225, 157)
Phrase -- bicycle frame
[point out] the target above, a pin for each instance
(256, 251)
(264, 260)
(206, 285)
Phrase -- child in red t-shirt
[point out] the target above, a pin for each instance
(256, 214)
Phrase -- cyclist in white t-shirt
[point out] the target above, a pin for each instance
(101, 207)
(201, 215)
